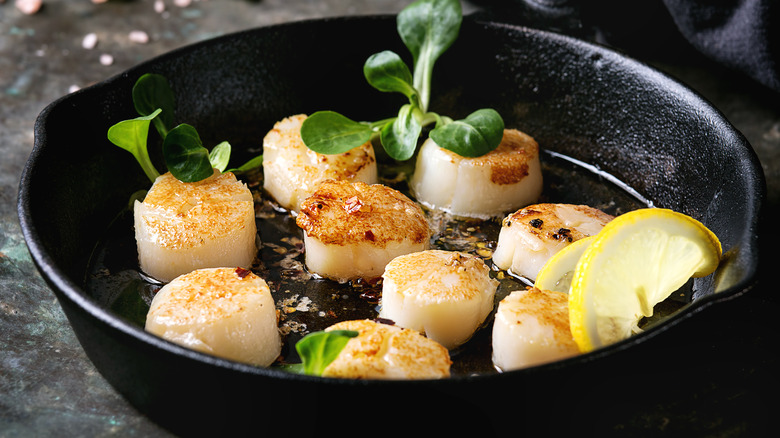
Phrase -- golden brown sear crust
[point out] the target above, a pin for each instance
(508, 163)
(343, 212)
(388, 352)
(186, 214)
(545, 221)
(313, 166)
(438, 275)
(550, 308)
(225, 289)
(172, 194)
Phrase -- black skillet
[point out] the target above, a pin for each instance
(635, 127)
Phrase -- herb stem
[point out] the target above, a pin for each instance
(146, 164)
(426, 119)
(422, 81)
(160, 126)
(427, 28)
(377, 126)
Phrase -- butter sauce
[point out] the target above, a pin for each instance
(307, 303)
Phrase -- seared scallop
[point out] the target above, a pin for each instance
(180, 227)
(503, 180)
(352, 229)
(531, 235)
(531, 327)
(226, 312)
(383, 351)
(292, 172)
(445, 295)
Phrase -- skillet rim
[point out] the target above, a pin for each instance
(66, 288)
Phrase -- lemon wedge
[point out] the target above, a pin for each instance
(636, 261)
(558, 271)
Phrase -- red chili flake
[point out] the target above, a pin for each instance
(370, 235)
(241, 272)
(384, 321)
(371, 295)
(352, 204)
(368, 289)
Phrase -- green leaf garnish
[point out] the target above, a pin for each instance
(185, 155)
(387, 72)
(328, 132)
(220, 156)
(427, 28)
(249, 165)
(473, 136)
(318, 349)
(131, 135)
(151, 92)
(399, 137)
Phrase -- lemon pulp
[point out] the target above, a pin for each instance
(556, 275)
(635, 262)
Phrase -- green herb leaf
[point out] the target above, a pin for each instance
(220, 156)
(399, 137)
(476, 135)
(185, 155)
(328, 132)
(183, 151)
(318, 349)
(131, 135)
(387, 72)
(428, 28)
(251, 164)
(152, 91)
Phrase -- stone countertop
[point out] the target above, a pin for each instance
(48, 386)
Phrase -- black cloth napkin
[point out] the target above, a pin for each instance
(741, 35)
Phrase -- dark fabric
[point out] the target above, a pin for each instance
(740, 34)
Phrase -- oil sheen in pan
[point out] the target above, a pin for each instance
(307, 303)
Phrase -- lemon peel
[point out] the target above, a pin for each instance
(636, 261)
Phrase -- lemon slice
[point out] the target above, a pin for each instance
(636, 261)
(557, 273)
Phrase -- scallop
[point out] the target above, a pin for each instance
(531, 327)
(531, 235)
(353, 229)
(292, 171)
(225, 312)
(181, 227)
(383, 351)
(446, 295)
(503, 180)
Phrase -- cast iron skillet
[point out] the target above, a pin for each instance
(575, 98)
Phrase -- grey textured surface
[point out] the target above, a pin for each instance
(48, 387)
